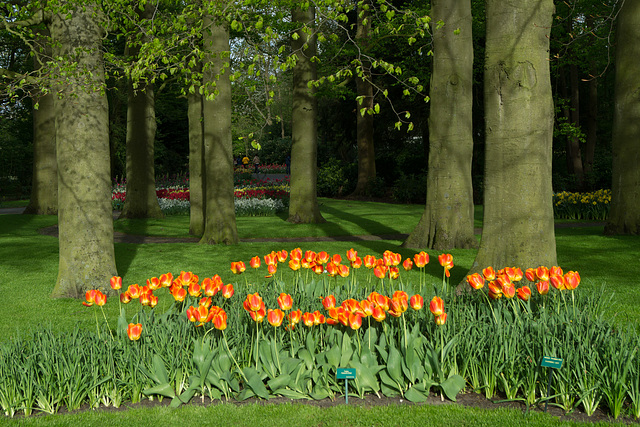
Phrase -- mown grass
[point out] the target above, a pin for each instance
(28, 273)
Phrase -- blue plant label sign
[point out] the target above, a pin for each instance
(346, 374)
(551, 362)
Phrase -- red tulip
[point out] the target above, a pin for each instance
(380, 271)
(366, 307)
(436, 306)
(397, 306)
(154, 283)
(255, 262)
(271, 259)
(557, 281)
(407, 264)
(116, 282)
(355, 321)
(446, 260)
(543, 287)
(509, 291)
(329, 302)
(275, 317)
(441, 319)
(209, 287)
(571, 280)
(318, 318)
(495, 288)
(369, 261)
(352, 254)
(476, 281)
(282, 255)
(125, 298)
(295, 317)
(378, 313)
(285, 301)
(332, 269)
(524, 293)
(295, 254)
(356, 263)
(294, 264)
(308, 319)
(421, 259)
(416, 302)
(310, 256)
(253, 302)
(530, 274)
(134, 291)
(542, 273)
(271, 268)
(488, 273)
(238, 267)
(258, 315)
(220, 320)
(194, 289)
(205, 301)
(394, 273)
(166, 280)
(90, 297)
(179, 294)
(322, 257)
(134, 331)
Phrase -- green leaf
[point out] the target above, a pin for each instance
(347, 350)
(255, 383)
(394, 364)
(413, 395)
(161, 389)
(452, 386)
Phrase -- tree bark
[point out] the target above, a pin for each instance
(141, 201)
(518, 228)
(624, 217)
(447, 221)
(303, 204)
(44, 183)
(364, 108)
(220, 218)
(85, 220)
(196, 165)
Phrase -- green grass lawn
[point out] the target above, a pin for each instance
(29, 267)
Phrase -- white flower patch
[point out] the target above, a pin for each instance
(243, 207)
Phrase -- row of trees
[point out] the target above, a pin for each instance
(190, 43)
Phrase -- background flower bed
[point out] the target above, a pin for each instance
(496, 346)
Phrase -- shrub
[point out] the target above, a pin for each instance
(410, 189)
(332, 180)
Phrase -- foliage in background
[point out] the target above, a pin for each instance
(583, 206)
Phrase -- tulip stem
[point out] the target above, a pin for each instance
(233, 358)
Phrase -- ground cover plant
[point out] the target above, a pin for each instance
(138, 268)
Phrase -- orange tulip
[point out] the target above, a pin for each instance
(255, 262)
(179, 294)
(308, 319)
(227, 291)
(530, 274)
(318, 269)
(476, 281)
(205, 301)
(336, 258)
(509, 291)
(555, 270)
(332, 269)
(253, 302)
(166, 280)
(488, 273)
(355, 321)
(282, 255)
(543, 287)
(153, 301)
(378, 313)
(421, 259)
(220, 320)
(209, 287)
(125, 298)
(446, 260)
(116, 282)
(524, 293)
(134, 291)
(271, 268)
(495, 288)
(90, 297)
(394, 273)
(416, 302)
(134, 331)
(352, 254)
(238, 267)
(436, 306)
(441, 319)
(154, 283)
(329, 302)
(571, 280)
(343, 270)
(369, 261)
(275, 317)
(407, 264)
(185, 277)
(322, 257)
(356, 263)
(310, 256)
(271, 259)
(366, 307)
(318, 318)
(380, 271)
(285, 301)
(258, 315)
(145, 297)
(542, 273)
(294, 264)
(557, 281)
(397, 306)
(194, 290)
(400, 294)
(511, 273)
(295, 316)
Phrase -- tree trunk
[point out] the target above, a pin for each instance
(220, 218)
(364, 106)
(574, 152)
(624, 217)
(44, 183)
(196, 165)
(141, 201)
(518, 227)
(85, 221)
(447, 221)
(303, 204)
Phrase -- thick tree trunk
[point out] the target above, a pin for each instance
(85, 223)
(44, 183)
(141, 201)
(196, 165)
(518, 227)
(303, 205)
(220, 218)
(447, 221)
(624, 217)
(364, 108)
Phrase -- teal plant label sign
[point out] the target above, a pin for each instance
(346, 374)
(551, 362)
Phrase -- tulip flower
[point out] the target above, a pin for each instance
(369, 261)
(271, 259)
(416, 302)
(436, 306)
(343, 270)
(407, 264)
(282, 255)
(476, 281)
(90, 297)
(258, 315)
(530, 274)
(308, 319)
(397, 306)
(332, 269)
(488, 273)
(275, 317)
(524, 293)
(166, 280)
(255, 262)
(153, 301)
(318, 269)
(329, 302)
(209, 288)
(322, 257)
(336, 259)
(271, 268)
(378, 313)
(380, 271)
(571, 280)
(220, 320)
(557, 281)
(366, 307)
(134, 291)
(205, 301)
(227, 291)
(509, 291)
(179, 294)
(318, 318)
(238, 267)
(134, 331)
(285, 301)
(125, 298)
(295, 316)
(355, 321)
(495, 288)
(394, 273)
(194, 290)
(446, 260)
(116, 282)
(185, 277)
(421, 259)
(543, 287)
(253, 302)
(310, 256)
(294, 264)
(356, 263)
(542, 273)
(154, 283)
(352, 254)
(400, 294)
(145, 298)
(441, 319)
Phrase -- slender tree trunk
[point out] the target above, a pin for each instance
(303, 204)
(44, 183)
(220, 218)
(624, 217)
(364, 107)
(85, 220)
(447, 221)
(196, 165)
(141, 201)
(518, 227)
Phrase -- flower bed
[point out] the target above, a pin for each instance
(316, 312)
(584, 206)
